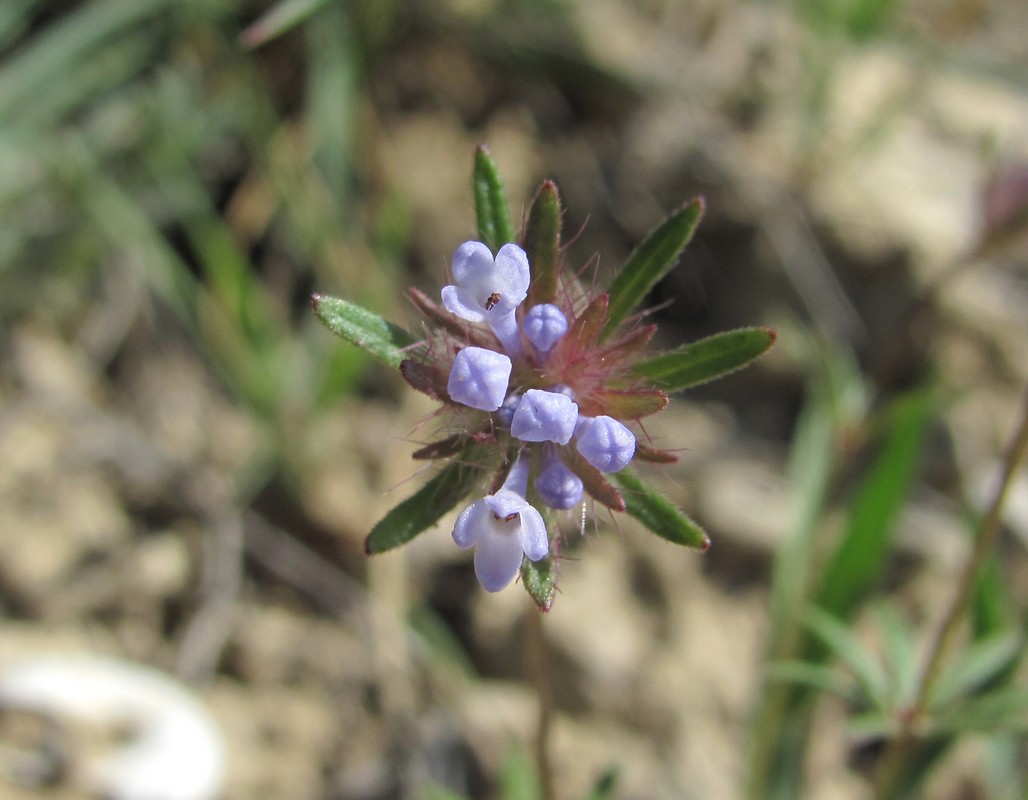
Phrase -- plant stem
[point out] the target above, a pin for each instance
(539, 674)
(899, 748)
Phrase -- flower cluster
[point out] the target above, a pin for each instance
(538, 412)
(542, 383)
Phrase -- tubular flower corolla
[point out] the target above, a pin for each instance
(489, 289)
(502, 527)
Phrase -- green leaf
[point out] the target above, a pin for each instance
(706, 359)
(848, 647)
(491, 207)
(361, 327)
(658, 514)
(976, 666)
(632, 404)
(423, 509)
(814, 676)
(861, 554)
(540, 579)
(1004, 710)
(651, 261)
(542, 243)
(594, 481)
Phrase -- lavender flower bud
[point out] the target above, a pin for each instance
(543, 326)
(604, 442)
(543, 416)
(479, 378)
(558, 486)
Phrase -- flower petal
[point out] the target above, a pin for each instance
(534, 539)
(471, 524)
(544, 325)
(498, 555)
(462, 303)
(470, 260)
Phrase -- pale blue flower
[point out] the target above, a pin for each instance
(479, 378)
(503, 527)
(604, 442)
(557, 486)
(543, 326)
(543, 416)
(489, 289)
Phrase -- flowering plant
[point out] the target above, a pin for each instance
(543, 382)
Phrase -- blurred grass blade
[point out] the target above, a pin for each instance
(844, 643)
(423, 509)
(650, 261)
(542, 243)
(898, 647)
(53, 55)
(976, 666)
(658, 514)
(861, 554)
(1004, 710)
(14, 19)
(702, 361)
(367, 330)
(540, 579)
(491, 206)
(279, 19)
(813, 676)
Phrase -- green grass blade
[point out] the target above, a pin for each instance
(651, 261)
(861, 554)
(424, 508)
(658, 514)
(491, 206)
(542, 243)
(706, 359)
(382, 339)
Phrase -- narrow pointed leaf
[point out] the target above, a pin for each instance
(444, 448)
(540, 579)
(367, 330)
(491, 207)
(654, 455)
(542, 243)
(658, 514)
(706, 359)
(976, 666)
(813, 676)
(651, 261)
(423, 509)
(623, 404)
(586, 326)
(849, 649)
(630, 342)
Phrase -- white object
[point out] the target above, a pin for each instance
(176, 751)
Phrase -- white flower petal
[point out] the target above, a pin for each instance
(498, 555)
(469, 260)
(471, 524)
(534, 541)
(460, 302)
